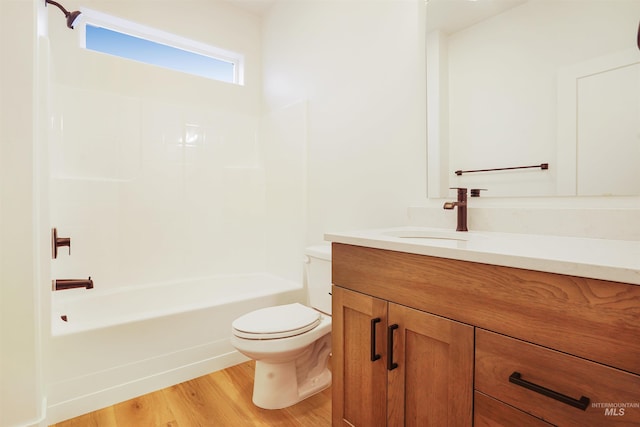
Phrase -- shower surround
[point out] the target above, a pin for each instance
(168, 186)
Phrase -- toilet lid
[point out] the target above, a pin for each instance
(276, 322)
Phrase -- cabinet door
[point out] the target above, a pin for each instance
(432, 384)
(359, 383)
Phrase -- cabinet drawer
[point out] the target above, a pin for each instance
(613, 395)
(489, 412)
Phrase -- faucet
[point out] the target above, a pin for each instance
(461, 203)
(62, 284)
(462, 208)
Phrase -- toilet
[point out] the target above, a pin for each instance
(291, 343)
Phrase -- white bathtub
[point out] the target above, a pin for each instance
(118, 344)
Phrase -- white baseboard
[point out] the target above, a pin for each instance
(94, 398)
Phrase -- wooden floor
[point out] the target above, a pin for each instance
(222, 399)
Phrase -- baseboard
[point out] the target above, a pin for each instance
(106, 396)
(41, 421)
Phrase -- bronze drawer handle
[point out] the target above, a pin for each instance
(374, 356)
(516, 378)
(391, 365)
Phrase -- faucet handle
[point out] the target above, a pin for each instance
(57, 242)
(475, 192)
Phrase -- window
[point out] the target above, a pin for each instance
(114, 36)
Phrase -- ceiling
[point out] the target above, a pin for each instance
(446, 15)
(259, 7)
(453, 15)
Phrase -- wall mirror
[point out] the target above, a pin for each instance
(525, 82)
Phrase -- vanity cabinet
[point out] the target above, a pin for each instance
(398, 366)
(479, 344)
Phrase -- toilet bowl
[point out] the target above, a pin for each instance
(290, 343)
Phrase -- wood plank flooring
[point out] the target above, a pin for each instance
(220, 399)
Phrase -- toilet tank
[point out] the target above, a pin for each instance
(318, 266)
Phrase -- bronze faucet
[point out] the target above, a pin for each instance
(462, 209)
(461, 204)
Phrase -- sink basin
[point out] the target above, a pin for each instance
(421, 233)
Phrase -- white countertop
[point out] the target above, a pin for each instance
(615, 260)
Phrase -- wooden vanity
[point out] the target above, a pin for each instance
(423, 340)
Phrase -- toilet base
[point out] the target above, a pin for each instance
(279, 385)
(276, 385)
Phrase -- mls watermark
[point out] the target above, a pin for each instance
(615, 409)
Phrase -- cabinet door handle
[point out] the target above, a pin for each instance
(391, 365)
(374, 356)
(582, 403)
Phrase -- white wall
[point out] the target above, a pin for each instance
(360, 67)
(139, 204)
(22, 273)
(285, 148)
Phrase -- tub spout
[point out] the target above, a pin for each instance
(62, 284)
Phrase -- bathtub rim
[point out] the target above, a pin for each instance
(60, 327)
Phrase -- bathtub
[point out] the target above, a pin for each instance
(112, 345)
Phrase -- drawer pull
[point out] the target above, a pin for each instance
(374, 356)
(391, 365)
(516, 378)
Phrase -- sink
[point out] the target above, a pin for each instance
(421, 233)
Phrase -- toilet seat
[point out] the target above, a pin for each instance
(281, 321)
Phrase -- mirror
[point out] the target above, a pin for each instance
(520, 83)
